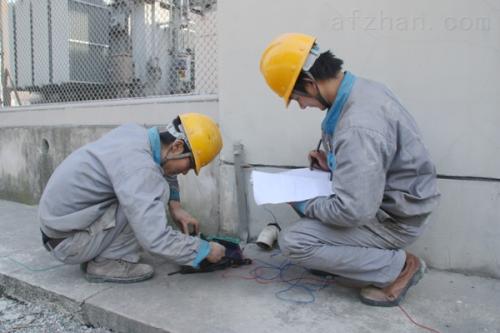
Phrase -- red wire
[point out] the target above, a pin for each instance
(256, 278)
(413, 321)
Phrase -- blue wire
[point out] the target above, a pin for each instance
(295, 283)
(44, 269)
(293, 286)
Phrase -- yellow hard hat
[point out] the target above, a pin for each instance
(203, 137)
(283, 60)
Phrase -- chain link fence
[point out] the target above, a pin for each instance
(82, 50)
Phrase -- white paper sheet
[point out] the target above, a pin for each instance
(290, 186)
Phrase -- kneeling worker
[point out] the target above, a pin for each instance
(107, 199)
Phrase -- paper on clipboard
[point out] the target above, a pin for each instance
(290, 186)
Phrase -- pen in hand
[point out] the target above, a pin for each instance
(314, 161)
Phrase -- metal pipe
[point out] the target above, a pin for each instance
(14, 88)
(153, 30)
(85, 3)
(2, 57)
(241, 196)
(32, 46)
(116, 102)
(77, 41)
(50, 42)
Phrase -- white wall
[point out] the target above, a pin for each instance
(464, 232)
(442, 58)
(448, 78)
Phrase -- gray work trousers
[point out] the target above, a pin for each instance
(369, 255)
(109, 237)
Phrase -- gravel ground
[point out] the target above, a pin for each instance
(20, 317)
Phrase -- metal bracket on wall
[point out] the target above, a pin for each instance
(241, 193)
(7, 90)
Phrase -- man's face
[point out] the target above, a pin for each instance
(307, 102)
(181, 166)
(176, 167)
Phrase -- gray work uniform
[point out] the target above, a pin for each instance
(385, 189)
(108, 198)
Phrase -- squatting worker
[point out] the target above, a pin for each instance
(107, 199)
(382, 175)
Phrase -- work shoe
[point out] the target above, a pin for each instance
(394, 293)
(120, 271)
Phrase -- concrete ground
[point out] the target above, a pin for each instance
(282, 298)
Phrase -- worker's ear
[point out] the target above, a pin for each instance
(309, 85)
(177, 147)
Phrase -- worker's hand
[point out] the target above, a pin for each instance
(317, 160)
(183, 219)
(217, 251)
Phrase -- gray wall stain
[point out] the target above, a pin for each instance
(34, 153)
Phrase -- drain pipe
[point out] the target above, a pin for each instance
(241, 193)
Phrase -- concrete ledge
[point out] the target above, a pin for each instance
(102, 318)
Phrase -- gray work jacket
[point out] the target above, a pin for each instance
(117, 168)
(383, 169)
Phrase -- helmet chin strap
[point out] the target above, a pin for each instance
(175, 157)
(322, 100)
(318, 95)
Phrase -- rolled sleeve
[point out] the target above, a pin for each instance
(173, 183)
(203, 251)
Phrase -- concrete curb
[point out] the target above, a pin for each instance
(24, 291)
(85, 313)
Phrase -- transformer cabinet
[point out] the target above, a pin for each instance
(74, 50)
